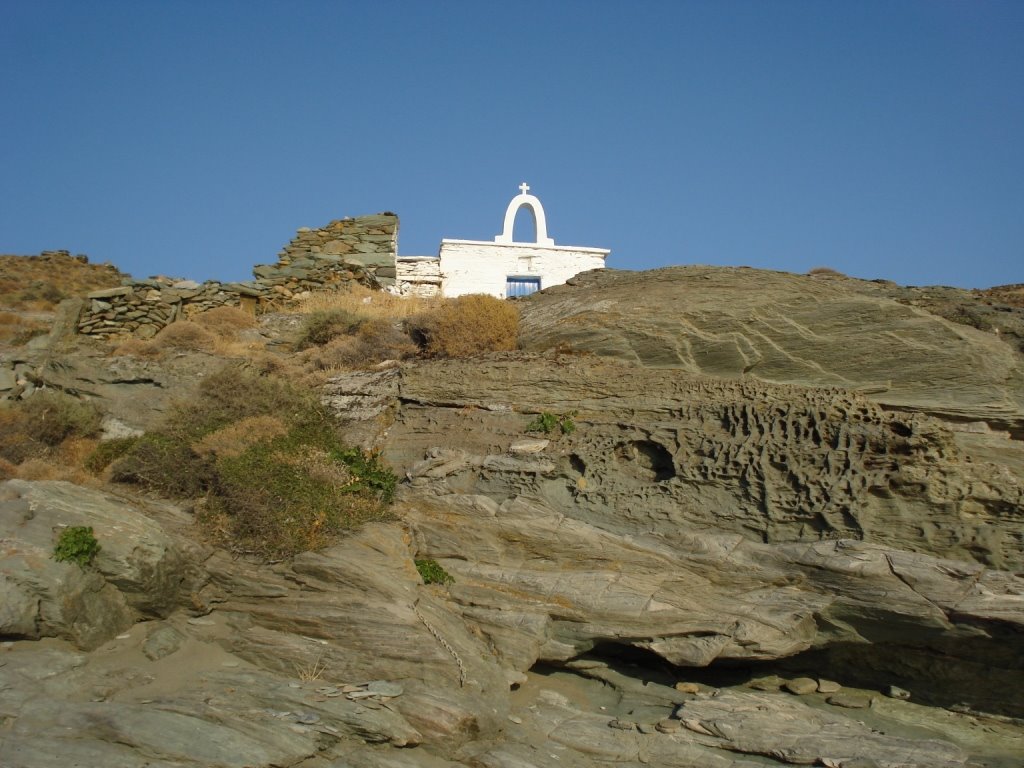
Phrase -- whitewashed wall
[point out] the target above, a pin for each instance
(472, 266)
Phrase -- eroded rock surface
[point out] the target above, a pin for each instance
(671, 452)
(786, 328)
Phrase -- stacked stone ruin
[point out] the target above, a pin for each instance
(346, 251)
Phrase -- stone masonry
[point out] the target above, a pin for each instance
(351, 250)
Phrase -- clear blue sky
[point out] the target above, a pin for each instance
(883, 139)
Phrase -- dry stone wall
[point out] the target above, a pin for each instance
(418, 276)
(351, 250)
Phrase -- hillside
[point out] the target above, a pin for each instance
(31, 287)
(702, 517)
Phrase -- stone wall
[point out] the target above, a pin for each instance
(418, 276)
(352, 250)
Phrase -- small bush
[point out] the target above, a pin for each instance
(225, 321)
(432, 573)
(825, 272)
(108, 451)
(163, 463)
(138, 348)
(76, 545)
(548, 422)
(185, 335)
(466, 326)
(294, 493)
(321, 327)
(233, 394)
(44, 421)
(234, 439)
(373, 342)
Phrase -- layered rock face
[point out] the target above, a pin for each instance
(785, 328)
(669, 452)
(695, 566)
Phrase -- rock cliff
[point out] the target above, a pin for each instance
(773, 520)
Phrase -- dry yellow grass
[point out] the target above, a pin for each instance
(138, 348)
(43, 469)
(233, 439)
(16, 329)
(225, 322)
(366, 303)
(40, 282)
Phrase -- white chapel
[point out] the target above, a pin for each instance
(503, 267)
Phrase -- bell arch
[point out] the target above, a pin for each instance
(540, 222)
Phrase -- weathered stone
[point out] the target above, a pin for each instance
(162, 642)
(849, 700)
(107, 293)
(801, 686)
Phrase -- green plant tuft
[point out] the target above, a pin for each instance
(76, 545)
(548, 422)
(108, 451)
(432, 573)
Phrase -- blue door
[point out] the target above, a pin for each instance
(521, 285)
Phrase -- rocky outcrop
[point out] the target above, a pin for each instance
(684, 570)
(783, 328)
(140, 572)
(673, 452)
(135, 394)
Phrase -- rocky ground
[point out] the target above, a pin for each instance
(785, 528)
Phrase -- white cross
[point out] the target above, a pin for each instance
(524, 188)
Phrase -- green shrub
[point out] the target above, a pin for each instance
(295, 493)
(548, 422)
(432, 573)
(107, 451)
(467, 325)
(76, 545)
(276, 477)
(369, 474)
(233, 394)
(321, 327)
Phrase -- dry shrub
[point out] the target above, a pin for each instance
(373, 342)
(7, 470)
(75, 450)
(825, 272)
(360, 301)
(138, 348)
(322, 327)
(185, 335)
(228, 348)
(16, 330)
(232, 440)
(46, 419)
(468, 325)
(225, 321)
(264, 363)
(42, 469)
